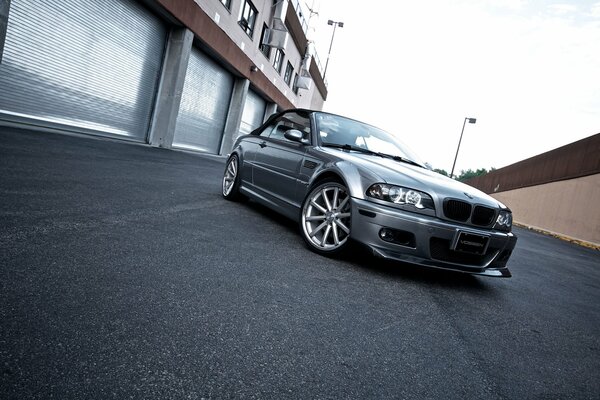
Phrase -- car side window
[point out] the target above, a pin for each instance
(293, 120)
(278, 131)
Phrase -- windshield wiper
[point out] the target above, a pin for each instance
(371, 152)
(404, 160)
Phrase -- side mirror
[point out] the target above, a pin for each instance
(294, 135)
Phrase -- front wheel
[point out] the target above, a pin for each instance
(326, 217)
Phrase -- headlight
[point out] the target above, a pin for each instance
(401, 195)
(504, 221)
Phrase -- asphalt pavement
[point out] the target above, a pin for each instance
(124, 274)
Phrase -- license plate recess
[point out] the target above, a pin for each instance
(472, 243)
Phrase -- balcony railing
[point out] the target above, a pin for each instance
(304, 23)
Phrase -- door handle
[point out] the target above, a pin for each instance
(263, 144)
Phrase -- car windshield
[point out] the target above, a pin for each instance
(347, 133)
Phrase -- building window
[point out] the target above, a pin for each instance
(227, 4)
(295, 85)
(248, 17)
(264, 48)
(289, 71)
(278, 60)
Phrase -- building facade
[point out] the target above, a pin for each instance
(187, 74)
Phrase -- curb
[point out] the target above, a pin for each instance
(582, 243)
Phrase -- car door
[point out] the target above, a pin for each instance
(278, 159)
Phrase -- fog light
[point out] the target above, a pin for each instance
(386, 235)
(403, 238)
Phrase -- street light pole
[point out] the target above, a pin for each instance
(335, 25)
(471, 121)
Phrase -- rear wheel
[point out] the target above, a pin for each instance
(325, 218)
(231, 179)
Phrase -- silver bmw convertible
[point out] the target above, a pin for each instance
(345, 181)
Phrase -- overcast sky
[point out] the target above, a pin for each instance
(529, 71)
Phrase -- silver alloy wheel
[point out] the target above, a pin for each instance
(326, 217)
(230, 176)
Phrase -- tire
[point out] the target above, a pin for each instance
(325, 218)
(231, 179)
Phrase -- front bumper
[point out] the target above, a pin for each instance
(428, 241)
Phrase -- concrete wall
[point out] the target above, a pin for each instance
(570, 208)
(557, 191)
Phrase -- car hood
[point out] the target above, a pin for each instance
(419, 178)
